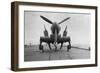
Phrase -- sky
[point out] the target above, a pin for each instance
(78, 26)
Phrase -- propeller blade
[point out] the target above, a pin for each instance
(47, 20)
(55, 38)
(64, 20)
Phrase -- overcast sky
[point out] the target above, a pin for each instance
(78, 26)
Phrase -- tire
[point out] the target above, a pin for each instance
(69, 47)
(40, 47)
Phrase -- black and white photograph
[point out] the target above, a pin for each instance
(56, 36)
(53, 36)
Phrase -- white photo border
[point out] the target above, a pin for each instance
(33, 64)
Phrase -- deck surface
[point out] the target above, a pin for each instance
(34, 54)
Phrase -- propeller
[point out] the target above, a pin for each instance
(47, 20)
(55, 38)
(64, 20)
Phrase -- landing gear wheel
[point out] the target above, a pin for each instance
(68, 47)
(41, 47)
